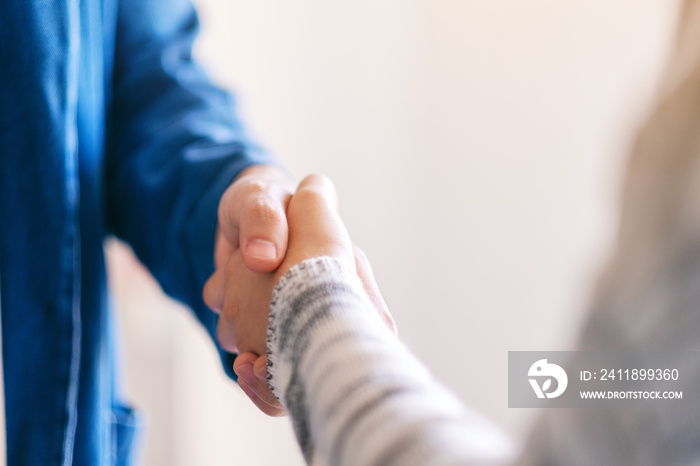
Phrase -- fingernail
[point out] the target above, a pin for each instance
(245, 371)
(262, 249)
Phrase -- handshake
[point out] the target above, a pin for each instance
(266, 228)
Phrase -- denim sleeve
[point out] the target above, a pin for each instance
(174, 144)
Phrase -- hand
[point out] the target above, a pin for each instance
(315, 229)
(252, 226)
(251, 369)
(252, 220)
(242, 296)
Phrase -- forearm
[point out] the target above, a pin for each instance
(174, 144)
(355, 393)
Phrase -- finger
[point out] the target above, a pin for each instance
(364, 271)
(261, 388)
(222, 249)
(226, 335)
(263, 232)
(315, 226)
(322, 194)
(215, 290)
(273, 411)
(228, 216)
(253, 371)
(252, 216)
(248, 367)
(244, 359)
(260, 367)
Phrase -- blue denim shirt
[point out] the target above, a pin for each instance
(107, 126)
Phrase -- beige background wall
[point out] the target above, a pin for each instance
(477, 149)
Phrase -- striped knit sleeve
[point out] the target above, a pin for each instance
(355, 394)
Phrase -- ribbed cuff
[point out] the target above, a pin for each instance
(299, 291)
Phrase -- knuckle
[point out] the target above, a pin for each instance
(212, 293)
(240, 194)
(316, 187)
(261, 209)
(253, 186)
(208, 296)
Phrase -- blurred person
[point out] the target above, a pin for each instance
(358, 397)
(108, 126)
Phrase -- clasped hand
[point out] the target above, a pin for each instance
(264, 230)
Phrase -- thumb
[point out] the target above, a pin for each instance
(315, 228)
(263, 233)
(252, 217)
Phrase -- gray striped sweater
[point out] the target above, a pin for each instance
(356, 395)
